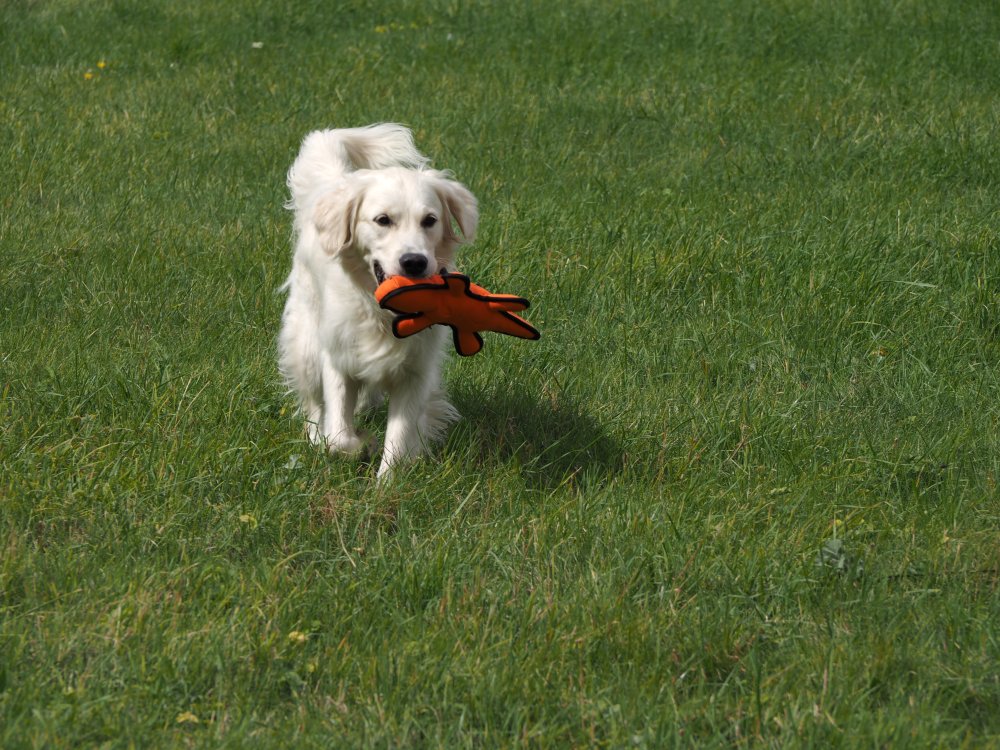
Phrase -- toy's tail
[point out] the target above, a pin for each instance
(326, 155)
(467, 343)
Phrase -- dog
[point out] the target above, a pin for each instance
(368, 206)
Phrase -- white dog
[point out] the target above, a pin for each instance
(367, 207)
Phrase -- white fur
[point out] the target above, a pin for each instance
(361, 196)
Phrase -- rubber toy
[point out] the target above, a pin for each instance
(451, 299)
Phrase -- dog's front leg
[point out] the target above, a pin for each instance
(340, 396)
(403, 440)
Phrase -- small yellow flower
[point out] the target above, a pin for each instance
(187, 718)
(298, 637)
(88, 75)
(102, 64)
(381, 29)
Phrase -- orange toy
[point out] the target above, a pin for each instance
(451, 299)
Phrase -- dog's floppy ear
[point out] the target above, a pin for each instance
(335, 215)
(460, 205)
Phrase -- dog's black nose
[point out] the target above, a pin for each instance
(414, 264)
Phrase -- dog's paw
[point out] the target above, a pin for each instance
(349, 443)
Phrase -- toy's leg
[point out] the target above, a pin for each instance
(403, 440)
(340, 395)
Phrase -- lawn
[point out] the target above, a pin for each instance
(743, 492)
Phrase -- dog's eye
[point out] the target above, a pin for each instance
(428, 221)
(383, 221)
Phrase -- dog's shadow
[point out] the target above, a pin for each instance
(552, 441)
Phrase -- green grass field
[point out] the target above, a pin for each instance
(743, 492)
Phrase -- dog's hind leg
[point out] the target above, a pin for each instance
(419, 415)
(369, 399)
(438, 416)
(403, 440)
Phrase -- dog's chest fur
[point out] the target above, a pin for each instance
(357, 334)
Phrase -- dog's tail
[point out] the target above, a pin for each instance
(326, 155)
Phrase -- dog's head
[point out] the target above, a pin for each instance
(396, 221)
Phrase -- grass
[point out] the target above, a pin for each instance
(761, 243)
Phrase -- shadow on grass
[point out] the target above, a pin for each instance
(553, 441)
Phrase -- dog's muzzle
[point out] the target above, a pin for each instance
(414, 265)
(379, 272)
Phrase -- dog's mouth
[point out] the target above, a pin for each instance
(379, 272)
